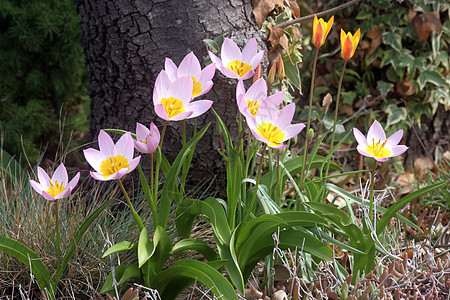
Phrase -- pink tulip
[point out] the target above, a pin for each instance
(273, 126)
(58, 187)
(172, 100)
(113, 161)
(236, 64)
(249, 101)
(147, 140)
(376, 145)
(190, 67)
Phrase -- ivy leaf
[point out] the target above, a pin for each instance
(417, 109)
(432, 77)
(381, 3)
(393, 39)
(395, 114)
(391, 57)
(412, 63)
(292, 71)
(384, 87)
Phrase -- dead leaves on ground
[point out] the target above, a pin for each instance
(262, 8)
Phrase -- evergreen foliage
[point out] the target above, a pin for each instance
(41, 72)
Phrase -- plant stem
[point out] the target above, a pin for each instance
(133, 211)
(336, 115)
(58, 238)
(252, 204)
(278, 177)
(163, 133)
(372, 184)
(308, 124)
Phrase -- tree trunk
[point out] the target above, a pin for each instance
(125, 45)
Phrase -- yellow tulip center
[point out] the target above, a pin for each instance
(55, 188)
(252, 107)
(271, 133)
(173, 106)
(378, 149)
(238, 67)
(197, 87)
(113, 164)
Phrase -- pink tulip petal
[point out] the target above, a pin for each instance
(280, 146)
(240, 89)
(99, 176)
(228, 73)
(276, 98)
(218, 63)
(141, 132)
(243, 107)
(60, 175)
(181, 89)
(64, 193)
(119, 174)
(182, 116)
(248, 75)
(362, 150)
(105, 144)
(47, 196)
(230, 52)
(37, 187)
(162, 85)
(134, 163)
(376, 133)
(256, 60)
(382, 159)
(398, 150)
(190, 66)
(257, 92)
(155, 132)
(208, 73)
(199, 107)
(94, 158)
(125, 146)
(249, 50)
(161, 112)
(206, 87)
(152, 145)
(171, 69)
(44, 179)
(293, 130)
(74, 181)
(285, 116)
(140, 147)
(394, 139)
(360, 138)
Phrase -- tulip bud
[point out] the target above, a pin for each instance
(320, 31)
(310, 135)
(257, 74)
(280, 70)
(271, 76)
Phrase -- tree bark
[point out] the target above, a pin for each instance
(126, 42)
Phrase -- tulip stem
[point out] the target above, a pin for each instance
(58, 238)
(311, 93)
(252, 204)
(372, 185)
(336, 115)
(133, 211)
(163, 133)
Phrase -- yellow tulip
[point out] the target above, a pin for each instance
(349, 43)
(321, 30)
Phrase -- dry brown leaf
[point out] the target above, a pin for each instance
(405, 87)
(425, 23)
(411, 14)
(347, 110)
(374, 35)
(262, 8)
(294, 8)
(326, 101)
(404, 181)
(278, 37)
(422, 165)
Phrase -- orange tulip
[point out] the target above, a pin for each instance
(321, 30)
(349, 43)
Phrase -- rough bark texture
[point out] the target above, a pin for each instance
(125, 44)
